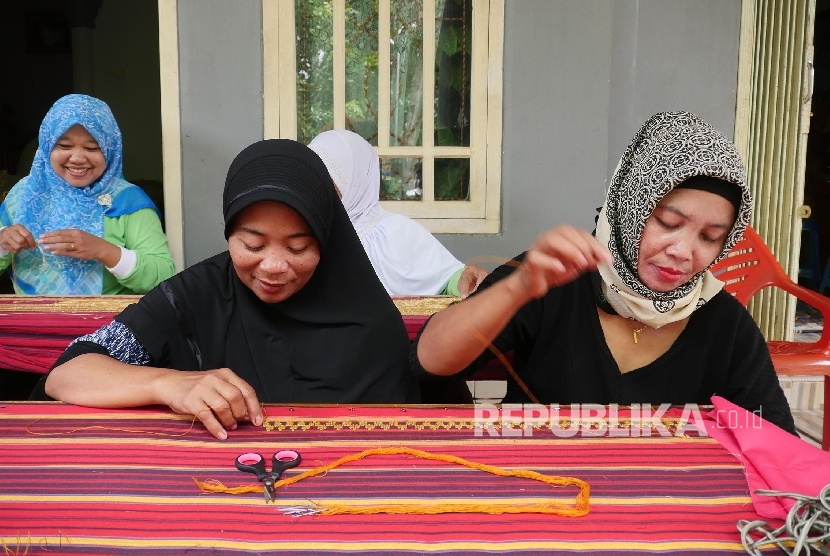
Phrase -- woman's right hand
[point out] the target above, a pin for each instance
(16, 237)
(559, 256)
(218, 398)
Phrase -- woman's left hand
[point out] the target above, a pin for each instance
(470, 279)
(80, 245)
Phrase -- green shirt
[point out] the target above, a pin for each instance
(141, 232)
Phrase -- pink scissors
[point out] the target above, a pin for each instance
(254, 463)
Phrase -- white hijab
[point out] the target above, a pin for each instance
(406, 257)
(669, 148)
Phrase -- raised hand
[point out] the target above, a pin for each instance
(80, 245)
(16, 237)
(470, 278)
(559, 256)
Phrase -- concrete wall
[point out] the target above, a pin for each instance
(220, 60)
(580, 77)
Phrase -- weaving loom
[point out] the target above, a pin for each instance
(34, 330)
(93, 481)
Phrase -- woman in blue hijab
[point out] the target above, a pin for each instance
(74, 225)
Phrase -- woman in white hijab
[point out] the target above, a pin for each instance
(406, 257)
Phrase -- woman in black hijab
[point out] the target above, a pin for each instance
(291, 313)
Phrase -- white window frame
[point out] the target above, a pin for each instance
(481, 214)
(171, 136)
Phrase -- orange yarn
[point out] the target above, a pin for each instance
(580, 506)
(101, 427)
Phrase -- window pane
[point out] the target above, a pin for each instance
(400, 179)
(452, 179)
(406, 73)
(453, 40)
(315, 112)
(362, 68)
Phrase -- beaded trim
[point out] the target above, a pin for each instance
(674, 425)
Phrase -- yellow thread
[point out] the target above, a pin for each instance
(100, 427)
(79, 304)
(422, 306)
(43, 545)
(8, 551)
(66, 304)
(579, 508)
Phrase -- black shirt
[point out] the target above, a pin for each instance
(561, 354)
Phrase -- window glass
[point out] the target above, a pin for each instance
(362, 68)
(315, 100)
(453, 39)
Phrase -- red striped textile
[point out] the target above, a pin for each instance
(34, 330)
(87, 481)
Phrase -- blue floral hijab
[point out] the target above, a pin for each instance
(44, 202)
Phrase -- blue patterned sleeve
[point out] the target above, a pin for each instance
(120, 342)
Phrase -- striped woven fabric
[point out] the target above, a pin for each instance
(85, 481)
(34, 330)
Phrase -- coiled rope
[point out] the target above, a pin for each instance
(806, 529)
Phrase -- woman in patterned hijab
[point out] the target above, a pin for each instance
(633, 315)
(672, 150)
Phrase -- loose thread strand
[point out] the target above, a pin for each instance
(132, 431)
(101, 427)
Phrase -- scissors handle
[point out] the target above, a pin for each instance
(282, 460)
(252, 463)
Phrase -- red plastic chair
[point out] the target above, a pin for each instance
(749, 268)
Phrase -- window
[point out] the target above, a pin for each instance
(432, 110)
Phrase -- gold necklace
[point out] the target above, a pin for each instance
(635, 330)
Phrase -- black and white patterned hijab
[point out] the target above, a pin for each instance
(669, 148)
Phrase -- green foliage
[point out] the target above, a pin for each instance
(452, 176)
(315, 98)
(445, 136)
(449, 41)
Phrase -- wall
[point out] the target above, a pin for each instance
(125, 49)
(31, 81)
(579, 80)
(126, 75)
(580, 76)
(220, 61)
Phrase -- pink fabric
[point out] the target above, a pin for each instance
(773, 459)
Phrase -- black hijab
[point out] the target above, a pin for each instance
(339, 339)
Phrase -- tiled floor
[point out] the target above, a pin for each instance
(488, 391)
(806, 393)
(808, 422)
